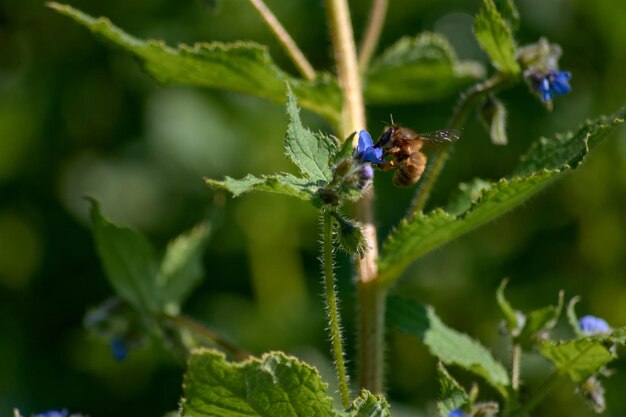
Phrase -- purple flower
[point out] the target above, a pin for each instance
(590, 325)
(365, 150)
(551, 84)
(53, 413)
(367, 172)
(456, 413)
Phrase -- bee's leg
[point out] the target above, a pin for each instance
(386, 166)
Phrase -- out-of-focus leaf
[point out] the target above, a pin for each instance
(496, 39)
(580, 358)
(540, 321)
(494, 114)
(181, 268)
(509, 13)
(509, 314)
(547, 160)
(311, 152)
(452, 395)
(418, 69)
(287, 184)
(129, 261)
(572, 318)
(450, 346)
(369, 405)
(274, 385)
(244, 67)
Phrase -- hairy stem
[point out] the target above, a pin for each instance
(371, 299)
(201, 330)
(438, 159)
(334, 321)
(296, 55)
(372, 32)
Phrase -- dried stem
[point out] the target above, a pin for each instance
(296, 55)
(372, 32)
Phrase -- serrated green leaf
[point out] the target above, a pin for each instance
(311, 152)
(369, 405)
(423, 68)
(129, 261)
(546, 161)
(181, 268)
(580, 358)
(452, 395)
(509, 13)
(244, 67)
(496, 39)
(448, 345)
(274, 385)
(287, 184)
(539, 321)
(508, 312)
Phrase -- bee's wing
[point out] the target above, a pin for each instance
(441, 136)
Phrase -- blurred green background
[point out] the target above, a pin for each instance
(77, 118)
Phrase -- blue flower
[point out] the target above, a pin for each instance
(553, 83)
(119, 350)
(456, 413)
(591, 325)
(53, 413)
(365, 150)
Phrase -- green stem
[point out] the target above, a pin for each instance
(198, 328)
(334, 320)
(546, 387)
(371, 301)
(296, 55)
(438, 160)
(372, 32)
(516, 357)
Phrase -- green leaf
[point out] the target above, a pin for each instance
(496, 39)
(129, 262)
(369, 405)
(244, 67)
(311, 152)
(509, 13)
(580, 358)
(419, 69)
(540, 321)
(452, 395)
(546, 161)
(572, 318)
(450, 346)
(287, 184)
(274, 385)
(509, 314)
(181, 268)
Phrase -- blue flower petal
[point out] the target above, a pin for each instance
(456, 413)
(560, 82)
(365, 141)
(544, 89)
(53, 413)
(591, 325)
(119, 350)
(373, 155)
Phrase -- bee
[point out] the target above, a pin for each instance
(405, 147)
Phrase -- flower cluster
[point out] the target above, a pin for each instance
(554, 83)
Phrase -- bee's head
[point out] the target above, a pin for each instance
(385, 140)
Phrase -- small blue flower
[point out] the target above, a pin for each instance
(591, 325)
(367, 172)
(365, 150)
(456, 413)
(53, 413)
(119, 350)
(553, 83)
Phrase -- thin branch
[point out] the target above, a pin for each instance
(516, 357)
(334, 321)
(296, 55)
(372, 32)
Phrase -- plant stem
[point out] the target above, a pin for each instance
(332, 308)
(200, 329)
(516, 356)
(371, 300)
(546, 387)
(372, 32)
(438, 159)
(296, 55)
